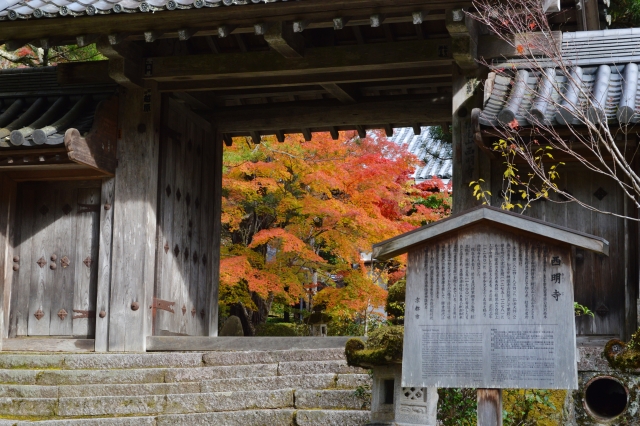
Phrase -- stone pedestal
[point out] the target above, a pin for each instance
(393, 405)
(319, 330)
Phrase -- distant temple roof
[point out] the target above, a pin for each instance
(601, 64)
(35, 110)
(25, 9)
(424, 148)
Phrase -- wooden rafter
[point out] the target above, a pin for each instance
(325, 114)
(211, 18)
(325, 60)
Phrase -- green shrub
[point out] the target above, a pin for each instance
(395, 302)
(282, 329)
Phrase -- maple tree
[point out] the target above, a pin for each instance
(300, 208)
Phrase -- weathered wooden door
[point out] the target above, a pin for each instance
(55, 290)
(185, 225)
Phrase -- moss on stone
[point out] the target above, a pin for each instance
(621, 355)
(383, 347)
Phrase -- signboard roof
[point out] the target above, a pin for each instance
(494, 217)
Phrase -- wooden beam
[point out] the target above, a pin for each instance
(86, 39)
(417, 129)
(195, 101)
(335, 135)
(279, 135)
(151, 36)
(306, 79)
(368, 57)
(388, 130)
(212, 44)
(255, 138)
(97, 149)
(339, 23)
(225, 30)
(283, 40)
(422, 110)
(125, 66)
(339, 93)
(30, 344)
(240, 42)
(307, 134)
(185, 34)
(464, 33)
(228, 140)
(362, 132)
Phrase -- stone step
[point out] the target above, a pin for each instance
(32, 407)
(331, 418)
(220, 372)
(79, 391)
(175, 404)
(164, 360)
(121, 421)
(303, 381)
(271, 357)
(330, 400)
(317, 367)
(133, 376)
(28, 391)
(230, 418)
(100, 361)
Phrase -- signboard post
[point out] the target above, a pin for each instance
(489, 305)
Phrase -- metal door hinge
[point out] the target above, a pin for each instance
(163, 305)
(84, 314)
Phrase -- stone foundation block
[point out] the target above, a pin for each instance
(352, 381)
(18, 377)
(229, 401)
(331, 418)
(31, 361)
(230, 372)
(111, 405)
(79, 391)
(311, 381)
(28, 391)
(268, 357)
(126, 421)
(231, 418)
(149, 360)
(317, 367)
(28, 406)
(329, 399)
(84, 377)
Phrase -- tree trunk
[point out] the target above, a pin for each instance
(241, 312)
(264, 306)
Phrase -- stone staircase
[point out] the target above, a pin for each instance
(270, 388)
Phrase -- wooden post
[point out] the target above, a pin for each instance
(489, 407)
(104, 266)
(134, 221)
(216, 188)
(7, 206)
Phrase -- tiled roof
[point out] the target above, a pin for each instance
(421, 146)
(525, 96)
(35, 110)
(24, 9)
(600, 73)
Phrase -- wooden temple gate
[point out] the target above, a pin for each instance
(141, 137)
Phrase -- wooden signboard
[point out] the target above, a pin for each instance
(489, 301)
